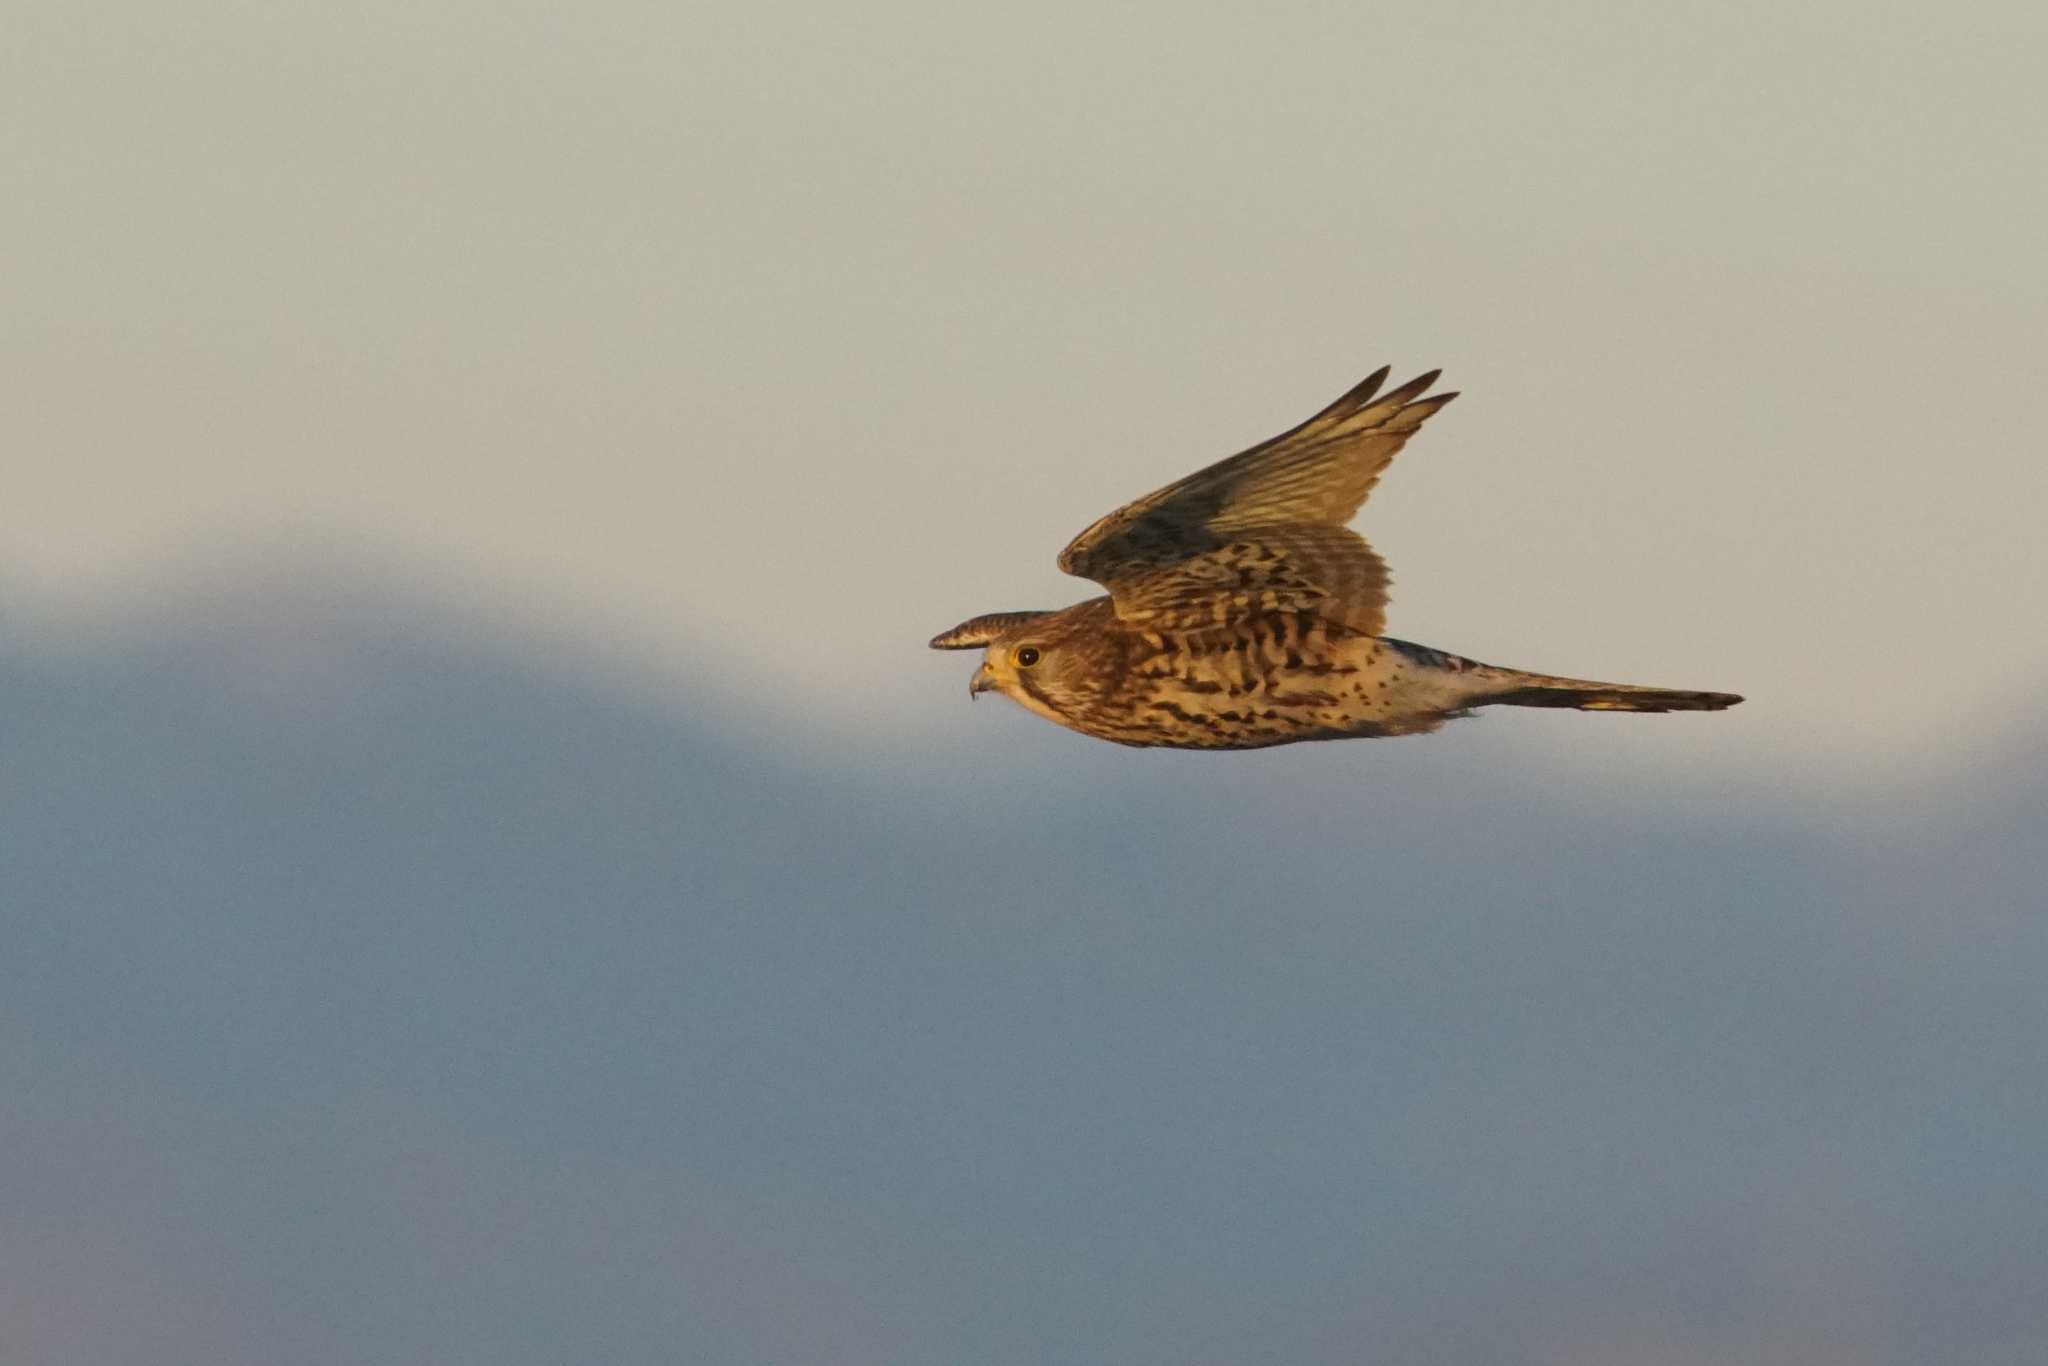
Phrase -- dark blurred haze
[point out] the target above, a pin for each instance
(380, 988)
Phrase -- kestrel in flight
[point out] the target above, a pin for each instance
(1242, 613)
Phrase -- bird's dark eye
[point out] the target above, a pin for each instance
(1026, 656)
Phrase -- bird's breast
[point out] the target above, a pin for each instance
(1267, 681)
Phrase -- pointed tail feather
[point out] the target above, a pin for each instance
(1488, 685)
(1609, 697)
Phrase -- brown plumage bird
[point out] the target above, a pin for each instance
(1241, 613)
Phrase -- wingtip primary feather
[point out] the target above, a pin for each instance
(1350, 401)
(1409, 392)
(1363, 391)
(1364, 406)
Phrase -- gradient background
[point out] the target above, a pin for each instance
(491, 874)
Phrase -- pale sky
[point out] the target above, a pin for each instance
(762, 342)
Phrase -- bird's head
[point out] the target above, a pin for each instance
(1027, 657)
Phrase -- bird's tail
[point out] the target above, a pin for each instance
(1485, 685)
(1581, 695)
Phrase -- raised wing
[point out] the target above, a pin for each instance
(1326, 569)
(1264, 529)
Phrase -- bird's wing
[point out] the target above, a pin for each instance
(1264, 529)
(1299, 568)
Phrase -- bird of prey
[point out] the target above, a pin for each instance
(1242, 613)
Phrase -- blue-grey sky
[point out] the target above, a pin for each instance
(372, 989)
(492, 875)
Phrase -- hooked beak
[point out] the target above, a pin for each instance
(982, 682)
